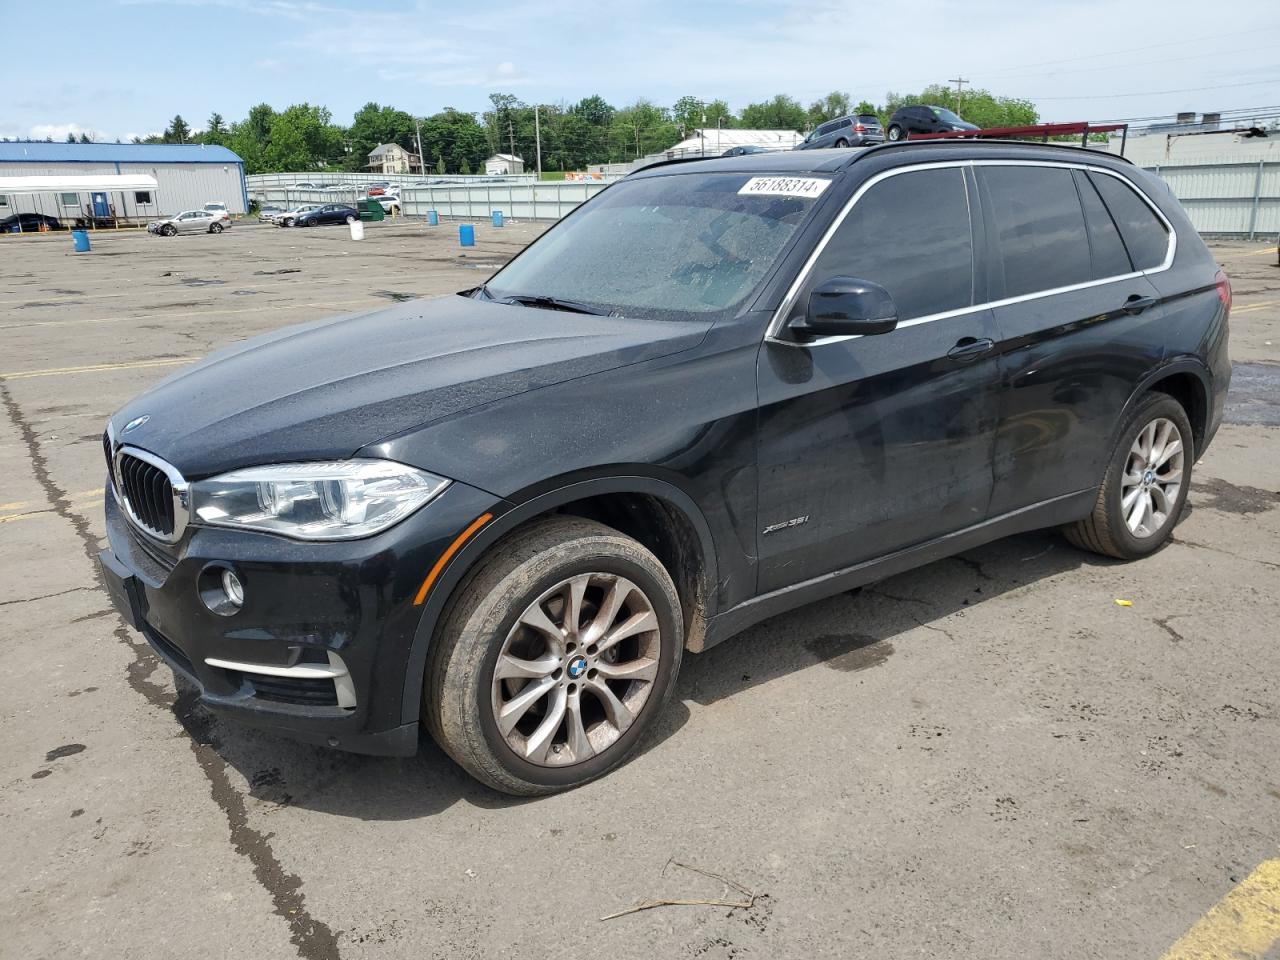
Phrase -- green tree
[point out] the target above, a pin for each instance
(215, 130)
(641, 129)
(303, 137)
(71, 138)
(977, 106)
(85, 138)
(177, 131)
(455, 138)
(780, 113)
(834, 104)
(373, 125)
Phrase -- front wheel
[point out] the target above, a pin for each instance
(841, 144)
(169, 230)
(555, 658)
(1145, 486)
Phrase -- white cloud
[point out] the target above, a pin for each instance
(269, 63)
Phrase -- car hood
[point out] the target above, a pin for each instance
(324, 390)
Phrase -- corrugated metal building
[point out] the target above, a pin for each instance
(187, 177)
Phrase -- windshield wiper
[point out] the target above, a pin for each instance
(555, 303)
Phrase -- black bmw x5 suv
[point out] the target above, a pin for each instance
(716, 391)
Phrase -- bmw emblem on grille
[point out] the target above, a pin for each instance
(135, 423)
(577, 667)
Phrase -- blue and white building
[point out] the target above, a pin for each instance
(110, 179)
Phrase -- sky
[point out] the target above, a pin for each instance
(119, 68)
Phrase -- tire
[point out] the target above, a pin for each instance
(841, 144)
(896, 133)
(169, 230)
(1107, 530)
(215, 228)
(528, 574)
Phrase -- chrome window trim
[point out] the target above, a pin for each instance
(778, 322)
(181, 494)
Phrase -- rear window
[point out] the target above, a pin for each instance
(1105, 246)
(869, 118)
(1039, 226)
(1144, 233)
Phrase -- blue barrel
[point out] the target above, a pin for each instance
(497, 218)
(467, 235)
(81, 239)
(433, 218)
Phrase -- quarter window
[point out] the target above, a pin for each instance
(909, 233)
(1144, 233)
(1109, 256)
(1039, 228)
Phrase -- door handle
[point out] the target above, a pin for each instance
(1137, 303)
(968, 349)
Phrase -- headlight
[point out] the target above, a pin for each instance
(315, 501)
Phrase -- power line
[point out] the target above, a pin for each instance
(1156, 93)
(1126, 65)
(1233, 112)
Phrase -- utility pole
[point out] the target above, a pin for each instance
(959, 82)
(511, 132)
(417, 126)
(537, 139)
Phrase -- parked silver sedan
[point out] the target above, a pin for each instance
(189, 221)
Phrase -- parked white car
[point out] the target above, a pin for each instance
(269, 211)
(286, 217)
(220, 211)
(390, 203)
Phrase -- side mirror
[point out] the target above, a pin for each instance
(844, 306)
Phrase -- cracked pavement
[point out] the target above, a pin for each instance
(986, 756)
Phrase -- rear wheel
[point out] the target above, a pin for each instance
(896, 133)
(1145, 486)
(215, 228)
(555, 658)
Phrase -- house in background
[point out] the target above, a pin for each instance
(393, 158)
(503, 165)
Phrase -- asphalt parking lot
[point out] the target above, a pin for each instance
(987, 757)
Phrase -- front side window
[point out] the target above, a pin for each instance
(1145, 234)
(1039, 228)
(910, 233)
(946, 116)
(677, 246)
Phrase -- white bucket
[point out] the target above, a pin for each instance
(357, 228)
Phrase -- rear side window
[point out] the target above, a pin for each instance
(1144, 233)
(909, 233)
(1039, 228)
(1109, 256)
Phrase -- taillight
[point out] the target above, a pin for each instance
(861, 128)
(1223, 283)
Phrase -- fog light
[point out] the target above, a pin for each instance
(234, 588)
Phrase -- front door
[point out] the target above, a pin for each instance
(871, 444)
(101, 209)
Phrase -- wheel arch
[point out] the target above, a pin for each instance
(1189, 381)
(655, 512)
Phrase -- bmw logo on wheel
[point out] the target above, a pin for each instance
(577, 667)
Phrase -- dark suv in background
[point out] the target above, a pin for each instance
(715, 391)
(925, 119)
(852, 131)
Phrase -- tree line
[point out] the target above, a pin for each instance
(304, 137)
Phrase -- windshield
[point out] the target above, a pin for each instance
(667, 247)
(946, 116)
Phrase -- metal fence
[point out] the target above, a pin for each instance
(1239, 199)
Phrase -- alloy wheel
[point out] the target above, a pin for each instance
(576, 669)
(1152, 478)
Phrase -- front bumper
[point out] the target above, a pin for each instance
(319, 650)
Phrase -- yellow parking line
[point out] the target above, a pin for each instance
(73, 497)
(192, 313)
(1248, 307)
(95, 368)
(28, 514)
(1243, 925)
(1260, 253)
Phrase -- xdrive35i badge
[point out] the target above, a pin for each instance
(135, 423)
(793, 522)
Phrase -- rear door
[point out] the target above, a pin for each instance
(1077, 323)
(871, 444)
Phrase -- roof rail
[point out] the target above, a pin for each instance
(985, 141)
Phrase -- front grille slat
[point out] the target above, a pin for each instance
(149, 493)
